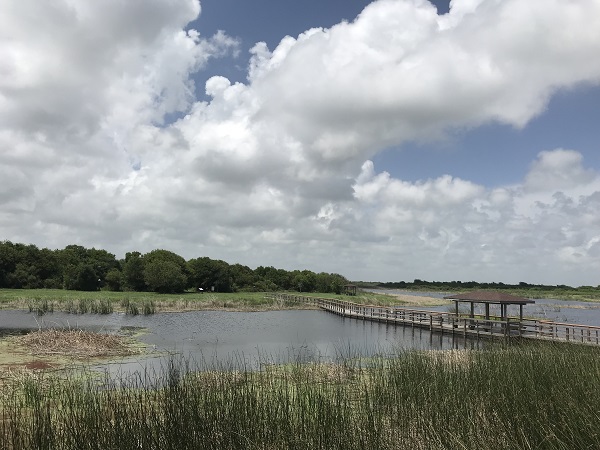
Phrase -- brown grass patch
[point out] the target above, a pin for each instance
(75, 344)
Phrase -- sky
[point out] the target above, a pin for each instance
(385, 141)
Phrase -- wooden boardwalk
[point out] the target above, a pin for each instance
(451, 323)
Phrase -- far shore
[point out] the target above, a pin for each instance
(417, 300)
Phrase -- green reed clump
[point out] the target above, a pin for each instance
(85, 305)
(40, 306)
(148, 307)
(69, 307)
(542, 396)
(101, 306)
(132, 309)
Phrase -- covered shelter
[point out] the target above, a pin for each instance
(490, 298)
(350, 289)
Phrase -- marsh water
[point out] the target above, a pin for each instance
(241, 338)
(251, 339)
(582, 313)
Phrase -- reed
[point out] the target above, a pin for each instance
(544, 396)
(40, 306)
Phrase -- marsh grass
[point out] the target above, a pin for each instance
(542, 396)
(43, 301)
(40, 306)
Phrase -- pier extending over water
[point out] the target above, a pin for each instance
(476, 326)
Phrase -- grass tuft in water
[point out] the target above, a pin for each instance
(40, 306)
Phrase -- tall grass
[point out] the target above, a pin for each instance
(542, 396)
(40, 306)
(43, 301)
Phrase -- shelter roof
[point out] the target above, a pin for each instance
(489, 297)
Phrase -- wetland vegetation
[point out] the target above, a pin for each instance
(43, 301)
(534, 395)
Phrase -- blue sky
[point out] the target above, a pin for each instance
(386, 140)
(496, 154)
(493, 154)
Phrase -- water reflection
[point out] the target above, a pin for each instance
(244, 339)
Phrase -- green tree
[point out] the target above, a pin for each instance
(159, 265)
(305, 281)
(8, 262)
(330, 282)
(272, 276)
(164, 276)
(85, 269)
(81, 277)
(113, 279)
(210, 274)
(243, 277)
(133, 272)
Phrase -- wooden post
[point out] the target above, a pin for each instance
(521, 312)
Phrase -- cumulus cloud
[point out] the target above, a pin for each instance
(103, 140)
(474, 232)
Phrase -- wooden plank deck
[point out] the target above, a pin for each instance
(450, 323)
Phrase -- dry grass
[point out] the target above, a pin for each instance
(75, 344)
(417, 300)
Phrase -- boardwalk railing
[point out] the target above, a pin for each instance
(447, 322)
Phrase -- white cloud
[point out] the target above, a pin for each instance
(273, 171)
(558, 169)
(480, 233)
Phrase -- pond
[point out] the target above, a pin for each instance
(246, 339)
(250, 339)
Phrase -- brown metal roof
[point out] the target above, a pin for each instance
(489, 297)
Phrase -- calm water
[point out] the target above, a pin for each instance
(243, 338)
(253, 338)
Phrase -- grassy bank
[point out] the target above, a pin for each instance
(98, 302)
(48, 300)
(582, 293)
(525, 396)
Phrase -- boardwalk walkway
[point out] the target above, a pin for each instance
(451, 323)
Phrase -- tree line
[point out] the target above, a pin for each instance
(25, 266)
(453, 285)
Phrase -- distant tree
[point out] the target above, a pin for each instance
(165, 271)
(26, 266)
(85, 269)
(133, 272)
(337, 283)
(8, 262)
(164, 277)
(81, 277)
(102, 261)
(113, 279)
(209, 273)
(304, 281)
(278, 277)
(49, 269)
(242, 277)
